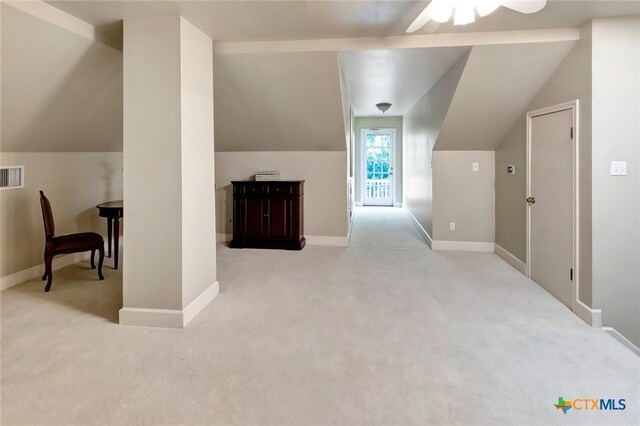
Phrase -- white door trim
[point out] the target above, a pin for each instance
(363, 162)
(591, 316)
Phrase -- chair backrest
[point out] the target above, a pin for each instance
(47, 217)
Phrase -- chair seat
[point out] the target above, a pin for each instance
(83, 240)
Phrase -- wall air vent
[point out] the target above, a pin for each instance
(11, 177)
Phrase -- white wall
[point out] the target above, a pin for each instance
(61, 118)
(325, 198)
(61, 91)
(278, 102)
(609, 206)
(289, 112)
(152, 270)
(345, 98)
(349, 121)
(198, 200)
(169, 172)
(463, 196)
(616, 200)
(74, 182)
(421, 127)
(572, 80)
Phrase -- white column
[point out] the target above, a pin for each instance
(616, 199)
(169, 268)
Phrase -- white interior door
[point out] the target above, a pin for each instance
(377, 170)
(550, 204)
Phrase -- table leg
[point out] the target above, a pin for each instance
(116, 241)
(109, 235)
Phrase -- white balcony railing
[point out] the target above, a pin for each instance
(378, 188)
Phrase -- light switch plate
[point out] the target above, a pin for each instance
(475, 167)
(618, 168)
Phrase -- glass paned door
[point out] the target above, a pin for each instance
(378, 168)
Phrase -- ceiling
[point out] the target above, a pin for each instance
(496, 86)
(400, 77)
(278, 102)
(60, 91)
(239, 20)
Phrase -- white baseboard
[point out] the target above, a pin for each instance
(323, 240)
(397, 205)
(200, 302)
(169, 318)
(463, 246)
(59, 262)
(593, 317)
(620, 338)
(511, 259)
(420, 229)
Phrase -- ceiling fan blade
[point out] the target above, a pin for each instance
(487, 7)
(420, 21)
(525, 6)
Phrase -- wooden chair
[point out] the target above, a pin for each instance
(64, 244)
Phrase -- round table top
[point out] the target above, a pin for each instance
(117, 204)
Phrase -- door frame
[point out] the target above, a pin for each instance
(573, 106)
(363, 162)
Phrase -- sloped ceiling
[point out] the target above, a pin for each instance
(496, 86)
(278, 102)
(60, 91)
(400, 77)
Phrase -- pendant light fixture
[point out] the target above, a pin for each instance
(383, 106)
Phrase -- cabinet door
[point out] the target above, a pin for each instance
(279, 224)
(254, 218)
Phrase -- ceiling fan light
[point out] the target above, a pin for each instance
(486, 7)
(525, 6)
(465, 13)
(440, 10)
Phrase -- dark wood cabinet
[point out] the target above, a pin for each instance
(268, 214)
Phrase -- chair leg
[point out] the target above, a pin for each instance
(49, 272)
(100, 260)
(44, 277)
(93, 263)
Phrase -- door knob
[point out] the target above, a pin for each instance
(531, 200)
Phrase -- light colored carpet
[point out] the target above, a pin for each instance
(383, 332)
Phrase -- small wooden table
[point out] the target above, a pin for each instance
(113, 211)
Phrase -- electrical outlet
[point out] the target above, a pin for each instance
(230, 219)
(475, 167)
(618, 168)
(452, 226)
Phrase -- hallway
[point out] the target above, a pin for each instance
(385, 227)
(385, 331)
